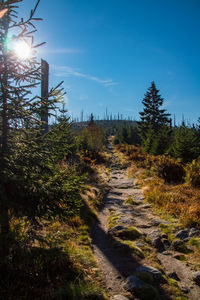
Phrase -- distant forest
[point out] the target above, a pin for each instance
(156, 131)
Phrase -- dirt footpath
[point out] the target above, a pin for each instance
(120, 250)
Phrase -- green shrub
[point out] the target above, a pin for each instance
(60, 141)
(37, 188)
(91, 141)
(127, 134)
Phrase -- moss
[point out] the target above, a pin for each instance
(131, 200)
(181, 257)
(175, 290)
(167, 229)
(131, 233)
(172, 282)
(195, 242)
(147, 250)
(134, 249)
(124, 187)
(181, 248)
(113, 219)
(147, 292)
(145, 276)
(128, 246)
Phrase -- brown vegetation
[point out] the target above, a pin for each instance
(168, 184)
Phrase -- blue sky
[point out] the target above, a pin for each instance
(109, 51)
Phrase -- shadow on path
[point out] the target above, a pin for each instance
(120, 260)
(116, 263)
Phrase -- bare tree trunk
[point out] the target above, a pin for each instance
(44, 94)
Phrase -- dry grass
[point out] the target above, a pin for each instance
(180, 200)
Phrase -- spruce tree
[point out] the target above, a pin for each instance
(153, 118)
(22, 151)
(185, 144)
(60, 139)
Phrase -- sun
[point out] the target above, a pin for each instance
(22, 50)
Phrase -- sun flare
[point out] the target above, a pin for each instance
(22, 50)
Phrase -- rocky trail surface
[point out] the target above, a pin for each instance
(136, 258)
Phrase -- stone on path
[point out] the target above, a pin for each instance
(173, 275)
(166, 243)
(155, 222)
(126, 220)
(144, 226)
(180, 246)
(196, 277)
(179, 256)
(194, 232)
(133, 283)
(156, 240)
(184, 289)
(145, 206)
(166, 253)
(120, 297)
(182, 234)
(115, 265)
(117, 228)
(153, 271)
(141, 289)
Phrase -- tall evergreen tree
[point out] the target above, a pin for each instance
(21, 155)
(153, 118)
